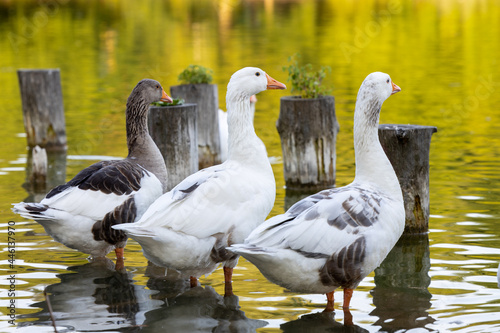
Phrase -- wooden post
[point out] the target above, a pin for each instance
(407, 147)
(173, 128)
(401, 285)
(206, 97)
(39, 164)
(308, 130)
(37, 185)
(43, 109)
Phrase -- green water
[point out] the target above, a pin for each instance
(443, 54)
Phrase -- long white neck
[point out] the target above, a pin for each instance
(244, 145)
(372, 164)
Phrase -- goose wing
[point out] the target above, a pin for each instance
(322, 224)
(208, 202)
(99, 189)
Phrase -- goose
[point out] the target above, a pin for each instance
(79, 214)
(338, 236)
(188, 228)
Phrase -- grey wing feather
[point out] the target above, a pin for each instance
(118, 177)
(336, 214)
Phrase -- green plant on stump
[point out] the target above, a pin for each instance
(195, 74)
(304, 80)
(175, 101)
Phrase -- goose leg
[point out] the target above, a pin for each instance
(329, 303)
(228, 274)
(120, 264)
(228, 284)
(347, 298)
(119, 252)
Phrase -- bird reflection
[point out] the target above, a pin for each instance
(319, 322)
(94, 297)
(167, 284)
(194, 309)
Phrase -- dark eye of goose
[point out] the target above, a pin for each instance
(158, 87)
(387, 80)
(257, 73)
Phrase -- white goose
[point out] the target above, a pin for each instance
(188, 228)
(336, 237)
(79, 214)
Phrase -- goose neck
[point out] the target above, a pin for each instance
(372, 164)
(136, 122)
(243, 143)
(141, 147)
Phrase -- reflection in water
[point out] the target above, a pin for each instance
(456, 87)
(198, 309)
(400, 294)
(167, 284)
(93, 297)
(319, 322)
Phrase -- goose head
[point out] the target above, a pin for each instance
(379, 85)
(249, 81)
(149, 91)
(374, 90)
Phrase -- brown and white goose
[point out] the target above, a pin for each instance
(80, 213)
(336, 237)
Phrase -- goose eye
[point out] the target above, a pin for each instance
(158, 87)
(257, 74)
(387, 80)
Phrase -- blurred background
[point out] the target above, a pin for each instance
(442, 53)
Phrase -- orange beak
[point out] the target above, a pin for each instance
(165, 97)
(273, 84)
(395, 88)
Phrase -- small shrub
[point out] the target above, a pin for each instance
(304, 81)
(195, 74)
(175, 101)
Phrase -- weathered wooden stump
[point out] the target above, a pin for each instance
(407, 147)
(173, 128)
(308, 130)
(43, 109)
(401, 285)
(35, 183)
(206, 97)
(39, 168)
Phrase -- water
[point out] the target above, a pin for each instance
(443, 54)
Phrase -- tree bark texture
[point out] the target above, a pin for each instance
(43, 110)
(408, 147)
(174, 130)
(206, 97)
(308, 130)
